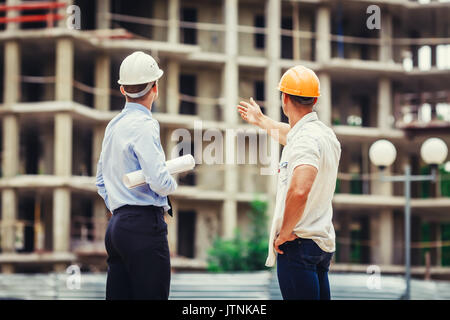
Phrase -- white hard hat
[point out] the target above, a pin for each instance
(139, 68)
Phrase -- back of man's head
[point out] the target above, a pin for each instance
(307, 102)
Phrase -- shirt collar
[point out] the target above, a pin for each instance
(137, 106)
(312, 116)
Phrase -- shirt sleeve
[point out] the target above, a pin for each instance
(305, 150)
(100, 183)
(152, 160)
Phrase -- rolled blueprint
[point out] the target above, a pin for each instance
(177, 165)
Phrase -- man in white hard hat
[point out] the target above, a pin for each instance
(136, 237)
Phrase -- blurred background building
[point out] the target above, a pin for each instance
(59, 90)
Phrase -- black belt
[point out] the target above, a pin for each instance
(134, 208)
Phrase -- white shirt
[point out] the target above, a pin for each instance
(313, 143)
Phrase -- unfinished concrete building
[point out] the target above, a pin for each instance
(59, 90)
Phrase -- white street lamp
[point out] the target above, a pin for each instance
(447, 166)
(434, 151)
(382, 153)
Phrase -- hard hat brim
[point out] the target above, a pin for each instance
(159, 75)
(293, 92)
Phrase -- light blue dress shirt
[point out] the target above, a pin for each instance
(132, 143)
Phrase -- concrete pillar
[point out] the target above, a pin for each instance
(102, 103)
(323, 106)
(63, 144)
(11, 14)
(103, 8)
(382, 235)
(11, 77)
(273, 102)
(10, 146)
(63, 147)
(9, 214)
(102, 82)
(61, 220)
(173, 87)
(382, 224)
(323, 30)
(231, 79)
(11, 133)
(61, 196)
(384, 103)
(174, 18)
(230, 89)
(385, 48)
(64, 70)
(273, 43)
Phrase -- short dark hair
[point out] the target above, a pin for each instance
(134, 88)
(305, 101)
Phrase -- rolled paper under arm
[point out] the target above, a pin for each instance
(177, 165)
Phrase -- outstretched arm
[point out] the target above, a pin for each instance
(251, 112)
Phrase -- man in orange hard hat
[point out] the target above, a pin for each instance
(302, 238)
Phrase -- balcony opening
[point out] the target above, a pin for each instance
(188, 87)
(286, 40)
(126, 16)
(36, 146)
(188, 178)
(33, 227)
(259, 94)
(189, 34)
(84, 78)
(354, 105)
(82, 150)
(348, 39)
(186, 233)
(251, 30)
(37, 71)
(259, 38)
(82, 223)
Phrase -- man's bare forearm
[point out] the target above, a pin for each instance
(294, 207)
(271, 125)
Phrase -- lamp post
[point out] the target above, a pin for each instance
(382, 153)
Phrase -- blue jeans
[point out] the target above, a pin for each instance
(303, 270)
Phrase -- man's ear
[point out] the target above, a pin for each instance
(122, 90)
(285, 98)
(315, 100)
(155, 89)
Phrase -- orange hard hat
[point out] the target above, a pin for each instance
(300, 81)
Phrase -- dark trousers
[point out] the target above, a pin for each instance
(303, 271)
(138, 254)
